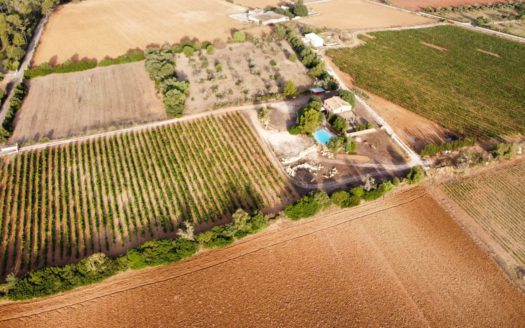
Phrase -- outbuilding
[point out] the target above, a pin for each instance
(313, 40)
(336, 105)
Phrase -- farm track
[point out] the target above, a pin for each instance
(63, 203)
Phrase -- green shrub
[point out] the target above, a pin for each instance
(351, 146)
(218, 236)
(304, 208)
(505, 150)
(335, 144)
(188, 51)
(290, 90)
(358, 191)
(159, 252)
(396, 181)
(416, 175)
(338, 123)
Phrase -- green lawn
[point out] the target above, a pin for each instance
(463, 89)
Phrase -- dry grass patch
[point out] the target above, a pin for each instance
(62, 105)
(99, 28)
(360, 14)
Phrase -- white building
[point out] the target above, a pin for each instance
(336, 105)
(313, 40)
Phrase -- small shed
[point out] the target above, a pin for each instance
(313, 40)
(317, 90)
(336, 105)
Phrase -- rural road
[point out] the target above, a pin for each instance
(18, 76)
(146, 126)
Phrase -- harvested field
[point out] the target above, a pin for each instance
(359, 15)
(239, 73)
(257, 3)
(462, 89)
(398, 262)
(99, 28)
(63, 105)
(422, 4)
(63, 203)
(495, 200)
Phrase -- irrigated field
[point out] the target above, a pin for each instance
(398, 262)
(496, 201)
(61, 204)
(99, 28)
(63, 105)
(468, 82)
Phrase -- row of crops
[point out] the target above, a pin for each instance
(105, 195)
(469, 82)
(495, 201)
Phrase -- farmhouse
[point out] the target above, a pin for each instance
(262, 17)
(313, 40)
(336, 105)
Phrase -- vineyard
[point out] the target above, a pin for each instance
(495, 201)
(61, 204)
(466, 81)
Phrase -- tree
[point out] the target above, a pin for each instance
(300, 9)
(347, 96)
(335, 144)
(290, 90)
(322, 198)
(345, 199)
(239, 36)
(188, 51)
(338, 123)
(351, 146)
(309, 120)
(210, 49)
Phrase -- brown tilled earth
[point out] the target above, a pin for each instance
(421, 4)
(398, 262)
(62, 105)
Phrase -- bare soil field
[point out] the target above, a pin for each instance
(398, 262)
(494, 200)
(420, 4)
(62, 105)
(359, 15)
(99, 28)
(238, 74)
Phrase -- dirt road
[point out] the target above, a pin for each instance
(401, 261)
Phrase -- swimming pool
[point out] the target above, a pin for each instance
(322, 136)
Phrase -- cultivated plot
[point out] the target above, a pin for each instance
(468, 82)
(239, 73)
(399, 262)
(63, 105)
(61, 204)
(495, 201)
(99, 28)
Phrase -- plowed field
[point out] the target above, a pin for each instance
(399, 262)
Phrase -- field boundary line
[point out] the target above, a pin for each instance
(308, 222)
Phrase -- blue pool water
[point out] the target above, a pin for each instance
(322, 136)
